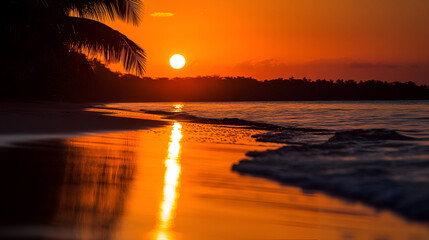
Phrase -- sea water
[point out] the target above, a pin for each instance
(372, 151)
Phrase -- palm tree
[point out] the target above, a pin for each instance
(46, 30)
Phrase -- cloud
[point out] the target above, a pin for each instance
(162, 14)
(335, 69)
(372, 65)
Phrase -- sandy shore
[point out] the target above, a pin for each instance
(21, 121)
(172, 181)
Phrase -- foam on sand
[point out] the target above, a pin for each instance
(380, 167)
(377, 166)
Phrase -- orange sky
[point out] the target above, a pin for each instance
(365, 39)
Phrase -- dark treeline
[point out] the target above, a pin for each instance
(98, 84)
(111, 86)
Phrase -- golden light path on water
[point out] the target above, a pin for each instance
(171, 181)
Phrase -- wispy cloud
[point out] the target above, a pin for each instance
(335, 69)
(162, 14)
(372, 65)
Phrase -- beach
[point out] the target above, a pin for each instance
(84, 172)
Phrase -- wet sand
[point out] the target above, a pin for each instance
(172, 182)
(66, 119)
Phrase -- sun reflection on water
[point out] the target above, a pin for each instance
(178, 107)
(171, 182)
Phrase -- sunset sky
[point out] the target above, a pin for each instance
(350, 39)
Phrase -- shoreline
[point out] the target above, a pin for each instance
(30, 122)
(133, 169)
(135, 183)
(33, 121)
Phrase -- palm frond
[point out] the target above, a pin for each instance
(89, 36)
(126, 10)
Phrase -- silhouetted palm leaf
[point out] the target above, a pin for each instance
(127, 10)
(85, 35)
(38, 27)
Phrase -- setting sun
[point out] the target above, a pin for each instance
(177, 61)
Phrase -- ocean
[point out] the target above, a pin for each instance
(410, 117)
(376, 152)
(222, 170)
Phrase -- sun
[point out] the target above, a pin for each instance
(177, 61)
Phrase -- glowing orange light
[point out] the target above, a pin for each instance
(177, 61)
(178, 107)
(171, 182)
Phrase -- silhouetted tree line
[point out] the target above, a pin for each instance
(94, 82)
(110, 86)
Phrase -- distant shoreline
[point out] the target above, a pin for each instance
(107, 86)
(273, 101)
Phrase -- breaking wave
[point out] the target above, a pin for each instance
(182, 116)
(380, 167)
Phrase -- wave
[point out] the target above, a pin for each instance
(380, 167)
(183, 116)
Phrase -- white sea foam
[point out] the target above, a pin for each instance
(374, 152)
(377, 166)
